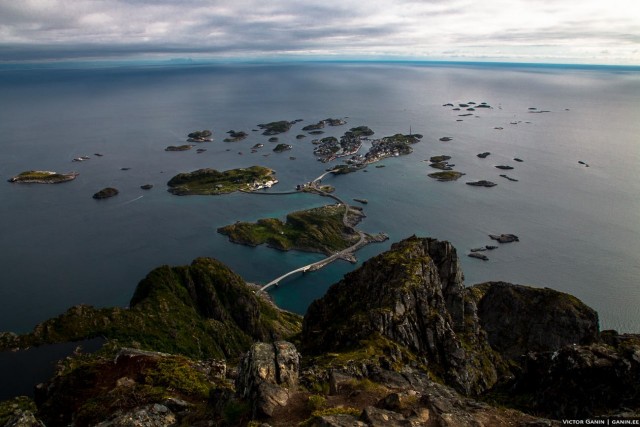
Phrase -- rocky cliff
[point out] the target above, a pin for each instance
(412, 296)
(398, 342)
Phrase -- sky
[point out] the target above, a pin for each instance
(552, 31)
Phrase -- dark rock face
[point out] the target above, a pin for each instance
(521, 319)
(266, 374)
(412, 295)
(583, 381)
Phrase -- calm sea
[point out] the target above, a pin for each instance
(579, 226)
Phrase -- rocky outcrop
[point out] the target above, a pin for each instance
(24, 419)
(521, 319)
(266, 375)
(413, 296)
(134, 388)
(155, 415)
(412, 399)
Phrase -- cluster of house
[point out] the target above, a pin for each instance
(330, 148)
(261, 185)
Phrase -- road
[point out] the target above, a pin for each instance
(319, 264)
(313, 188)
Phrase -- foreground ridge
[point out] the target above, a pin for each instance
(399, 341)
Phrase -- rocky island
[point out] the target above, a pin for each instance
(213, 182)
(400, 341)
(313, 230)
(200, 136)
(43, 177)
(315, 126)
(441, 164)
(482, 183)
(274, 128)
(235, 136)
(447, 175)
(184, 147)
(282, 147)
(105, 193)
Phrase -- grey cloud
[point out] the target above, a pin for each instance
(111, 28)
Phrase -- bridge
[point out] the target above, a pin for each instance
(312, 186)
(319, 264)
(338, 255)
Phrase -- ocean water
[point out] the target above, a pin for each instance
(579, 227)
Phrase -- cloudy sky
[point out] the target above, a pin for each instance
(558, 31)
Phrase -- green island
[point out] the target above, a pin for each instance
(446, 175)
(213, 182)
(314, 230)
(43, 177)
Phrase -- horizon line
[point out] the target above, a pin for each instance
(185, 61)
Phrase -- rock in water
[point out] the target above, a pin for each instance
(106, 193)
(266, 374)
(482, 183)
(504, 238)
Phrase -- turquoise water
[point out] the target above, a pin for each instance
(579, 227)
